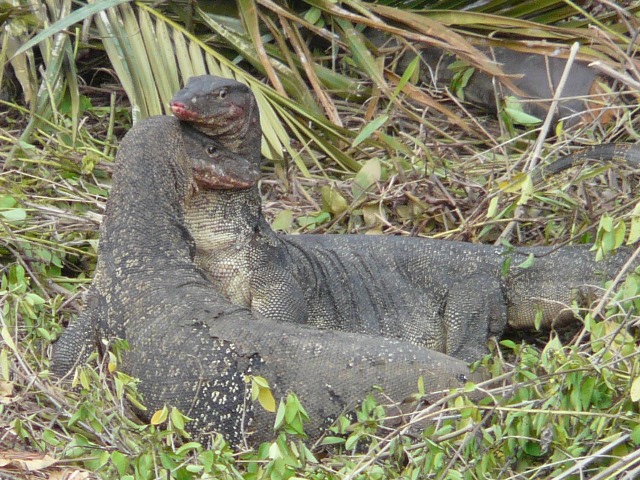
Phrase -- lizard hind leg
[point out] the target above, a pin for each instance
(276, 295)
(475, 310)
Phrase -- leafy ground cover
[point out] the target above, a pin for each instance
(566, 405)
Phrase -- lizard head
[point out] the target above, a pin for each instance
(215, 104)
(214, 167)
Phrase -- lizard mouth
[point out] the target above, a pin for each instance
(214, 177)
(182, 112)
(207, 180)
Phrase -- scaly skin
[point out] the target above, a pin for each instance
(190, 347)
(447, 296)
(534, 80)
(219, 168)
(628, 153)
(225, 110)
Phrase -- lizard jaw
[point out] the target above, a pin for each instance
(206, 181)
(181, 111)
(212, 176)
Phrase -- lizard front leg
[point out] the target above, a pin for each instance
(475, 309)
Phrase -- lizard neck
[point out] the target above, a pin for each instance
(152, 175)
(223, 219)
(143, 232)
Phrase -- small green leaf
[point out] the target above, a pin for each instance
(292, 408)
(167, 462)
(177, 419)
(461, 78)
(84, 379)
(553, 345)
(506, 265)
(313, 15)
(14, 214)
(33, 299)
(98, 461)
(599, 252)
(279, 416)
(369, 174)
(533, 448)
(7, 202)
(79, 416)
(50, 437)
(620, 231)
(332, 200)
(527, 190)
(160, 416)
(266, 400)
(493, 207)
(513, 109)
(283, 221)
(261, 391)
(635, 390)
(528, 263)
(255, 391)
(409, 74)
(144, 464)
(260, 381)
(6, 336)
(608, 241)
(537, 321)
(369, 129)
(634, 231)
(352, 441)
(121, 462)
(606, 223)
(469, 387)
(312, 221)
(586, 392)
(307, 455)
(188, 447)
(274, 451)
(521, 118)
(4, 364)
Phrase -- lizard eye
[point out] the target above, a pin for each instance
(211, 150)
(223, 93)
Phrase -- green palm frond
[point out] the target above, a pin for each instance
(312, 57)
(59, 75)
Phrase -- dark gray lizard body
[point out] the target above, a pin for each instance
(627, 153)
(448, 296)
(189, 346)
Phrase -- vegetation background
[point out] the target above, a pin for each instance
(356, 139)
